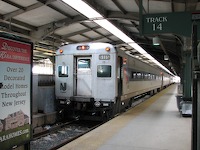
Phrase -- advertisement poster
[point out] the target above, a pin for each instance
(15, 92)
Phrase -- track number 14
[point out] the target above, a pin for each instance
(157, 26)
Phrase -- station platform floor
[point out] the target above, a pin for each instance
(155, 124)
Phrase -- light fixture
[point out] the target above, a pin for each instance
(92, 14)
(156, 40)
(166, 57)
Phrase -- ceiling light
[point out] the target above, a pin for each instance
(83, 8)
(166, 57)
(137, 47)
(92, 14)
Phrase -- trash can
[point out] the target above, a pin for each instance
(186, 109)
(179, 98)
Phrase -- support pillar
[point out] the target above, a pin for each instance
(198, 97)
(186, 102)
(196, 90)
(187, 69)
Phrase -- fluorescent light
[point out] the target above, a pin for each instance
(92, 14)
(137, 47)
(148, 56)
(166, 57)
(156, 41)
(114, 30)
(83, 8)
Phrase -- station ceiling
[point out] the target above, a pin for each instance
(50, 23)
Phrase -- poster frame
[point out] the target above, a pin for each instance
(15, 38)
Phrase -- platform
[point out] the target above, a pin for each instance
(156, 124)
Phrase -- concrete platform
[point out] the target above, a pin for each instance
(155, 124)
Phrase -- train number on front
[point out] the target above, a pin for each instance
(104, 57)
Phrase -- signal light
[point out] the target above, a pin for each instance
(83, 47)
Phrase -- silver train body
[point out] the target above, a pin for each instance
(96, 80)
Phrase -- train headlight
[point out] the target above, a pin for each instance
(61, 51)
(68, 102)
(65, 102)
(107, 49)
(97, 104)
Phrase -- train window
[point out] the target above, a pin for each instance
(63, 71)
(134, 75)
(149, 76)
(84, 63)
(153, 76)
(103, 71)
(139, 75)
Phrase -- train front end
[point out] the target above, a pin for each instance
(86, 82)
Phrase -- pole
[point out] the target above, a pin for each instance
(195, 87)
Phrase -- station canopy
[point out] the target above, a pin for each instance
(51, 23)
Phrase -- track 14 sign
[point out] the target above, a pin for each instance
(178, 23)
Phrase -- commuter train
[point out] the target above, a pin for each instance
(96, 80)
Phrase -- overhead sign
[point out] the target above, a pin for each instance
(15, 92)
(195, 16)
(177, 23)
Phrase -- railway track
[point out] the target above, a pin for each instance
(62, 134)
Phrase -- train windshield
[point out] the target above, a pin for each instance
(103, 71)
(84, 63)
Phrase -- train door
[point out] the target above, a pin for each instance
(84, 76)
(162, 81)
(119, 75)
(117, 107)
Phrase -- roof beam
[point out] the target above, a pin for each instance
(131, 16)
(125, 12)
(11, 28)
(79, 32)
(95, 30)
(137, 2)
(119, 6)
(23, 24)
(15, 22)
(58, 10)
(20, 11)
(13, 4)
(24, 9)
(49, 28)
(98, 8)
(108, 15)
(191, 5)
(172, 5)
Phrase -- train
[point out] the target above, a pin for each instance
(96, 81)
